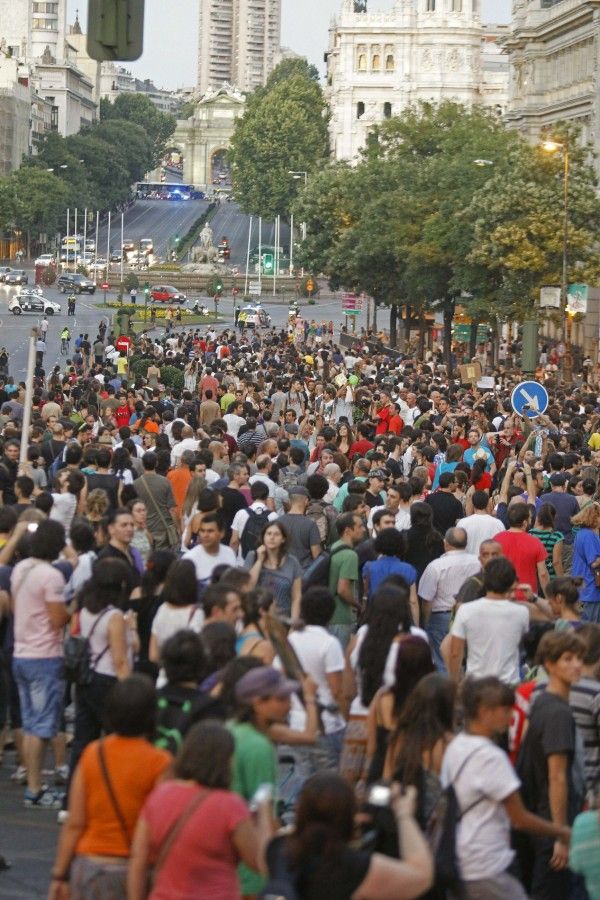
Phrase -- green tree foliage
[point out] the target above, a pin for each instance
(139, 110)
(32, 199)
(283, 129)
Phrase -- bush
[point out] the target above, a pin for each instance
(172, 377)
(83, 270)
(131, 281)
(49, 275)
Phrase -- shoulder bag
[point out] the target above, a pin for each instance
(173, 537)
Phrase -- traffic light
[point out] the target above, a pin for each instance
(218, 287)
(268, 262)
(146, 289)
(176, 239)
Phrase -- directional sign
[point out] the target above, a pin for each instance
(529, 399)
(123, 343)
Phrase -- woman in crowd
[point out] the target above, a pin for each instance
(546, 531)
(207, 502)
(344, 439)
(586, 558)
(190, 505)
(179, 609)
(113, 641)
(276, 570)
(453, 457)
(563, 596)
(320, 858)
(145, 600)
(193, 830)
(252, 641)
(121, 466)
(413, 663)
(142, 539)
(108, 790)
(423, 542)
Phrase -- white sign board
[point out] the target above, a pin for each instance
(254, 288)
(550, 297)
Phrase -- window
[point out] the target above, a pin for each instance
(457, 6)
(430, 5)
(362, 59)
(387, 110)
(54, 119)
(360, 109)
(376, 62)
(389, 63)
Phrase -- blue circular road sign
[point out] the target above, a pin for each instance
(529, 399)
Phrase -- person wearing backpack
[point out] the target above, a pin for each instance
(486, 789)
(323, 514)
(248, 524)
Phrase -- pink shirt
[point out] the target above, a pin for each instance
(34, 583)
(201, 864)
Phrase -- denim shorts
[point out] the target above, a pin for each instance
(41, 686)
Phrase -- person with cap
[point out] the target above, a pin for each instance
(305, 540)
(263, 700)
(360, 472)
(566, 507)
(375, 494)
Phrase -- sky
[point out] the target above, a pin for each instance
(171, 30)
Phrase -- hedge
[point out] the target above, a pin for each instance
(170, 376)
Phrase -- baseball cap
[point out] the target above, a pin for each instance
(264, 681)
(298, 491)
(558, 480)
(292, 428)
(378, 473)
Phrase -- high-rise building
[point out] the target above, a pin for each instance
(239, 42)
(27, 27)
(381, 62)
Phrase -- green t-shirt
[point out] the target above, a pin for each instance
(226, 399)
(254, 763)
(343, 565)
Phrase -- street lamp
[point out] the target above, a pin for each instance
(296, 176)
(556, 147)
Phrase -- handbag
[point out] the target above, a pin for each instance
(77, 656)
(596, 572)
(173, 537)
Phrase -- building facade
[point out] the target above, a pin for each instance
(27, 27)
(15, 107)
(554, 53)
(239, 42)
(381, 62)
(70, 93)
(204, 138)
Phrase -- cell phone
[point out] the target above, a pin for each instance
(263, 794)
(32, 526)
(380, 795)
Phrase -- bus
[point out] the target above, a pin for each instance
(162, 190)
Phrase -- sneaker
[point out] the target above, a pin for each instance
(61, 775)
(19, 775)
(44, 799)
(63, 816)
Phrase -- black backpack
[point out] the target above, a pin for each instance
(78, 662)
(317, 574)
(253, 529)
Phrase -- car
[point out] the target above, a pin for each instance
(4, 270)
(46, 259)
(128, 246)
(17, 276)
(146, 245)
(98, 265)
(33, 304)
(115, 256)
(166, 293)
(90, 245)
(75, 283)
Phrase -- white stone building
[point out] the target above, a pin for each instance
(15, 106)
(70, 93)
(554, 51)
(379, 63)
(239, 42)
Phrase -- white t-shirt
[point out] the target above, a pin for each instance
(205, 562)
(234, 423)
(479, 528)
(241, 518)
(483, 834)
(320, 654)
(493, 630)
(171, 619)
(265, 480)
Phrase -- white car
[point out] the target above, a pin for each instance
(33, 303)
(46, 259)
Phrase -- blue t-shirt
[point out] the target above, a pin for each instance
(469, 456)
(586, 550)
(378, 570)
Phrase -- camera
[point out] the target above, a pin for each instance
(381, 834)
(379, 795)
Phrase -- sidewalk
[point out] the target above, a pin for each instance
(28, 839)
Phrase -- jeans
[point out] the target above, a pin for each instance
(591, 612)
(90, 705)
(499, 887)
(437, 629)
(41, 694)
(342, 632)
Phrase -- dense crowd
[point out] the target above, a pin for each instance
(326, 587)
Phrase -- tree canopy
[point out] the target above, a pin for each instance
(138, 109)
(283, 129)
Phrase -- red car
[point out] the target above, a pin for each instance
(165, 293)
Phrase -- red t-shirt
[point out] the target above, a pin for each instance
(360, 448)
(202, 861)
(396, 424)
(525, 552)
(484, 483)
(383, 420)
(122, 415)
(520, 714)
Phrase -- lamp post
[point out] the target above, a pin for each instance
(297, 176)
(556, 147)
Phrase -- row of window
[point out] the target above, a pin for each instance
(376, 62)
(44, 24)
(360, 110)
(43, 7)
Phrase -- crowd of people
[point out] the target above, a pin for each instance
(322, 586)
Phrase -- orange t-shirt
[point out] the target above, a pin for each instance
(180, 479)
(134, 767)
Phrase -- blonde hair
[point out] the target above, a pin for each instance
(588, 517)
(96, 502)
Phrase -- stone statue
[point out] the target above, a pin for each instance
(206, 237)
(360, 6)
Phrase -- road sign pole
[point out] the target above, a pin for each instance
(28, 399)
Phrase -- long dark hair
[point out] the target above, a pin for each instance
(108, 586)
(388, 613)
(324, 821)
(427, 716)
(205, 755)
(413, 663)
(421, 519)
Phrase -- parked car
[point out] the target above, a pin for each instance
(30, 303)
(165, 293)
(46, 259)
(75, 283)
(115, 256)
(17, 276)
(4, 270)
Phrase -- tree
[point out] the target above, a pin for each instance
(133, 142)
(138, 109)
(283, 129)
(36, 200)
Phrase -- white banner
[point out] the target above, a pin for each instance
(550, 297)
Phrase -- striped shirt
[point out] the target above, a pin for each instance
(584, 701)
(549, 539)
(584, 855)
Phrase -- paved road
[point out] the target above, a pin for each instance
(160, 220)
(229, 221)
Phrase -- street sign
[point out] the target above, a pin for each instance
(123, 343)
(532, 395)
(577, 298)
(351, 312)
(105, 286)
(235, 292)
(254, 288)
(550, 297)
